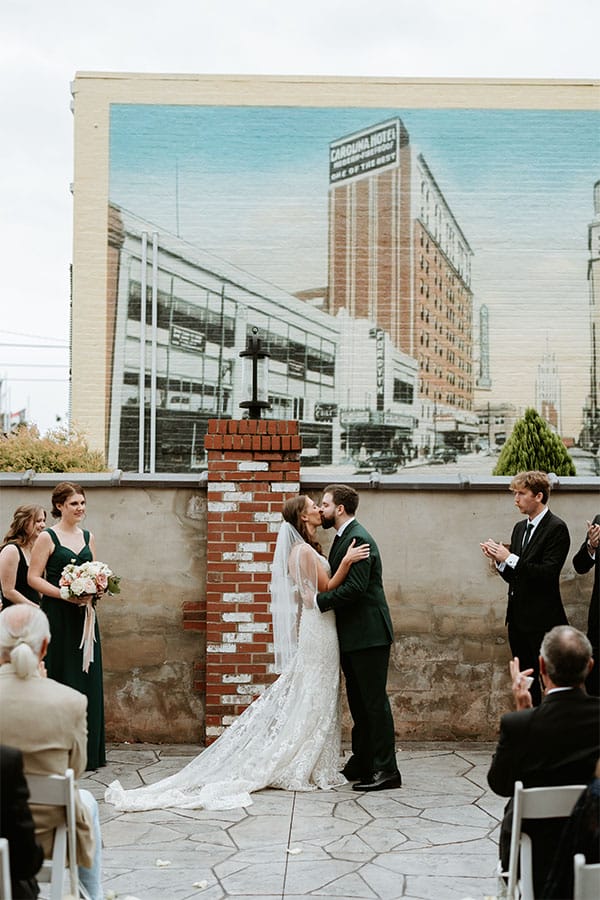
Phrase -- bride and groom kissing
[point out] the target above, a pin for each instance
(325, 612)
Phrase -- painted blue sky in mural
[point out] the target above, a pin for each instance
(252, 185)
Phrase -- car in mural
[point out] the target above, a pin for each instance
(443, 455)
(384, 461)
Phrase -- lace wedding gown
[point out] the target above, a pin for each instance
(288, 738)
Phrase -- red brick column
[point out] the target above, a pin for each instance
(253, 467)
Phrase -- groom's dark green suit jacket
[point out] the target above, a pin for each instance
(362, 615)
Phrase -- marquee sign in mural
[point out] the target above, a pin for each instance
(366, 152)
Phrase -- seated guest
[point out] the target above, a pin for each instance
(47, 722)
(581, 834)
(16, 825)
(555, 743)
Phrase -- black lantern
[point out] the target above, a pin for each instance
(255, 376)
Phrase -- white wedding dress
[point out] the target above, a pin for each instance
(288, 738)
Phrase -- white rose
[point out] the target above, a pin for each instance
(78, 586)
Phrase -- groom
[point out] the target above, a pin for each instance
(365, 634)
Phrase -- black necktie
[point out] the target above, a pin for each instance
(335, 540)
(527, 536)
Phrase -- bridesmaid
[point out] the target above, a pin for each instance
(55, 548)
(15, 552)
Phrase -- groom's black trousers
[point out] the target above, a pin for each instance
(373, 741)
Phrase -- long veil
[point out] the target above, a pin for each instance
(284, 598)
(289, 737)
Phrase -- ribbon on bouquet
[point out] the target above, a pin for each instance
(88, 637)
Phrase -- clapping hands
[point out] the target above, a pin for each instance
(495, 551)
(593, 535)
(521, 682)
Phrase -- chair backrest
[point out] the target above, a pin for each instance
(5, 887)
(534, 803)
(58, 790)
(586, 879)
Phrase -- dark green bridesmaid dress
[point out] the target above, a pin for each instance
(64, 659)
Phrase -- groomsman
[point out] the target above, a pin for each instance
(587, 557)
(531, 566)
(365, 634)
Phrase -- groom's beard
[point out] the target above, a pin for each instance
(327, 523)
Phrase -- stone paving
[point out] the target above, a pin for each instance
(434, 839)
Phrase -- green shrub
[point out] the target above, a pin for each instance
(534, 446)
(61, 450)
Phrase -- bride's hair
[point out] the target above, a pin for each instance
(292, 513)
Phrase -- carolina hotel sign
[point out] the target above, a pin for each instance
(364, 152)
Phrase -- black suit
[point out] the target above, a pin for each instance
(16, 825)
(582, 562)
(365, 633)
(555, 743)
(534, 601)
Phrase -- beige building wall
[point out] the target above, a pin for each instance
(93, 93)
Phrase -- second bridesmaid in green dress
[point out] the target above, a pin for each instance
(67, 542)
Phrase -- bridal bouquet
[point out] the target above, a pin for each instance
(88, 578)
(93, 578)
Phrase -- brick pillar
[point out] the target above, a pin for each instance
(253, 467)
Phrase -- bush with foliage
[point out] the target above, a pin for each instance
(60, 450)
(533, 446)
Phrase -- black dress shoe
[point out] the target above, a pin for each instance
(381, 781)
(352, 772)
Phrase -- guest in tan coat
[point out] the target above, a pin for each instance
(47, 722)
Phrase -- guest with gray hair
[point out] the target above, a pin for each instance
(47, 722)
(21, 640)
(557, 742)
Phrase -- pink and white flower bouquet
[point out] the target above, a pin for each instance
(90, 579)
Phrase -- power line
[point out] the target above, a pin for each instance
(40, 337)
(36, 365)
(37, 346)
(45, 380)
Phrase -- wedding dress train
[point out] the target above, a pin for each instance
(288, 738)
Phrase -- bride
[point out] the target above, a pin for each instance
(289, 738)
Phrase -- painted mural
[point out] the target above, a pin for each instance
(418, 278)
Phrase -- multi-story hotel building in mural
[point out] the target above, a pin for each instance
(398, 257)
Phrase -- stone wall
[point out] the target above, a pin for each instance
(154, 536)
(449, 672)
(448, 678)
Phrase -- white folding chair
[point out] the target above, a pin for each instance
(59, 790)
(586, 884)
(5, 888)
(534, 803)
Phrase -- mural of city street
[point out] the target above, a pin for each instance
(419, 278)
